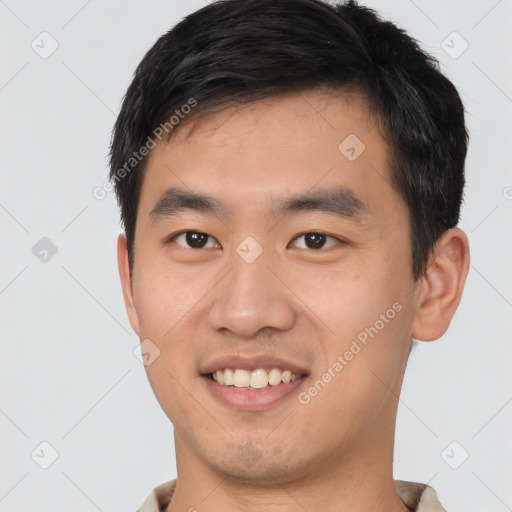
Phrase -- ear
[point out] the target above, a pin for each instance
(126, 281)
(442, 285)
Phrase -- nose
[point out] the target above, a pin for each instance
(250, 298)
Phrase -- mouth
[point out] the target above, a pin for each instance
(258, 378)
(252, 389)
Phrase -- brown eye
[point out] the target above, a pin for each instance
(193, 240)
(314, 240)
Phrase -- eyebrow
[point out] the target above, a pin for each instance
(340, 201)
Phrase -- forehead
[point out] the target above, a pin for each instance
(280, 147)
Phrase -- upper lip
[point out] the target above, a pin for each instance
(250, 363)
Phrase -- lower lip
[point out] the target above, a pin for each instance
(250, 399)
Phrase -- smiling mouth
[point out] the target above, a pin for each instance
(259, 378)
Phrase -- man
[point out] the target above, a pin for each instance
(290, 175)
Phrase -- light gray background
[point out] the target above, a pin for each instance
(68, 373)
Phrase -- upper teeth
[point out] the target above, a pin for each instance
(258, 378)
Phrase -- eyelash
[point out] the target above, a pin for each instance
(342, 242)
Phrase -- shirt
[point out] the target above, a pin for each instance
(418, 497)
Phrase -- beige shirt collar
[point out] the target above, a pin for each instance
(418, 497)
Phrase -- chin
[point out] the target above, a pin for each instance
(252, 464)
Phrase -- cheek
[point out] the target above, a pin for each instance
(363, 315)
(171, 390)
(166, 308)
(346, 298)
(164, 299)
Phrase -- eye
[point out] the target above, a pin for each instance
(193, 240)
(314, 240)
(199, 240)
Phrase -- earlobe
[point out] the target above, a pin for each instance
(442, 286)
(126, 281)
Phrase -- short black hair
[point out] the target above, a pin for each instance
(233, 52)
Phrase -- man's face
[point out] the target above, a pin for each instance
(253, 281)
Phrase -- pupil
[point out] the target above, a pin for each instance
(196, 240)
(317, 240)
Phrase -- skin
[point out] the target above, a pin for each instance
(335, 452)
